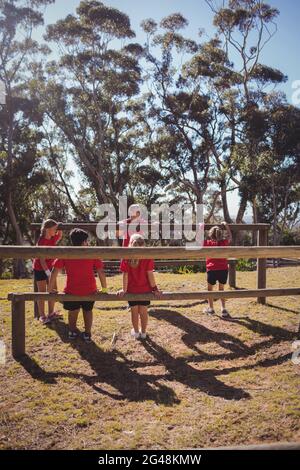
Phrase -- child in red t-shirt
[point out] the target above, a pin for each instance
(138, 278)
(217, 268)
(132, 225)
(80, 281)
(49, 236)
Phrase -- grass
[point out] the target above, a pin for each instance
(198, 380)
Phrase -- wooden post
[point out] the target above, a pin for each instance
(18, 328)
(262, 265)
(35, 289)
(232, 266)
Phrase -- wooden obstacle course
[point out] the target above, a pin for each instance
(18, 304)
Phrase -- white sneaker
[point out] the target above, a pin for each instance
(134, 334)
(209, 311)
(143, 335)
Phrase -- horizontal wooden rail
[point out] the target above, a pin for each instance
(91, 226)
(15, 296)
(109, 253)
(266, 446)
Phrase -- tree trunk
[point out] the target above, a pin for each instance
(227, 217)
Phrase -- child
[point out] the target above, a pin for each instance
(80, 281)
(49, 236)
(217, 269)
(138, 278)
(129, 226)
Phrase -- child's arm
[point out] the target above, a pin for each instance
(125, 285)
(229, 234)
(153, 285)
(52, 281)
(102, 278)
(59, 235)
(45, 267)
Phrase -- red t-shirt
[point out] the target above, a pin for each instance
(45, 242)
(216, 264)
(138, 282)
(130, 227)
(80, 275)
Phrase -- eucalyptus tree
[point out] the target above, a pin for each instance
(19, 117)
(89, 94)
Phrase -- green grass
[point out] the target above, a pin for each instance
(198, 381)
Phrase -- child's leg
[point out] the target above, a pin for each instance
(73, 316)
(221, 287)
(210, 287)
(88, 320)
(143, 313)
(135, 317)
(42, 287)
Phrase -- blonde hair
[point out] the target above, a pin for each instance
(48, 223)
(215, 233)
(136, 240)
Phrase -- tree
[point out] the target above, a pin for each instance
(89, 94)
(19, 118)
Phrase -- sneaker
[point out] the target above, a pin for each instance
(87, 337)
(225, 313)
(209, 311)
(134, 334)
(73, 334)
(44, 320)
(143, 335)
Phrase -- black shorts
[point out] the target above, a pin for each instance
(218, 275)
(40, 275)
(132, 303)
(78, 304)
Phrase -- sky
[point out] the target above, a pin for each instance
(282, 52)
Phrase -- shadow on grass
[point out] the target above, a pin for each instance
(113, 371)
(114, 374)
(204, 380)
(195, 333)
(282, 308)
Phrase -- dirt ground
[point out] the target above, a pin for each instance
(197, 381)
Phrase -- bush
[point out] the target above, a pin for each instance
(245, 265)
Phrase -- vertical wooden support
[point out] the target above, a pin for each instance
(35, 289)
(232, 265)
(18, 328)
(262, 265)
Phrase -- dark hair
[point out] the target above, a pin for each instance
(78, 236)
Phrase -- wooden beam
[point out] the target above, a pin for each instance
(109, 253)
(91, 226)
(165, 296)
(266, 446)
(18, 327)
(262, 265)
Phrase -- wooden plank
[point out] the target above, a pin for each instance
(233, 294)
(35, 288)
(109, 253)
(269, 446)
(18, 327)
(91, 226)
(232, 265)
(262, 265)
